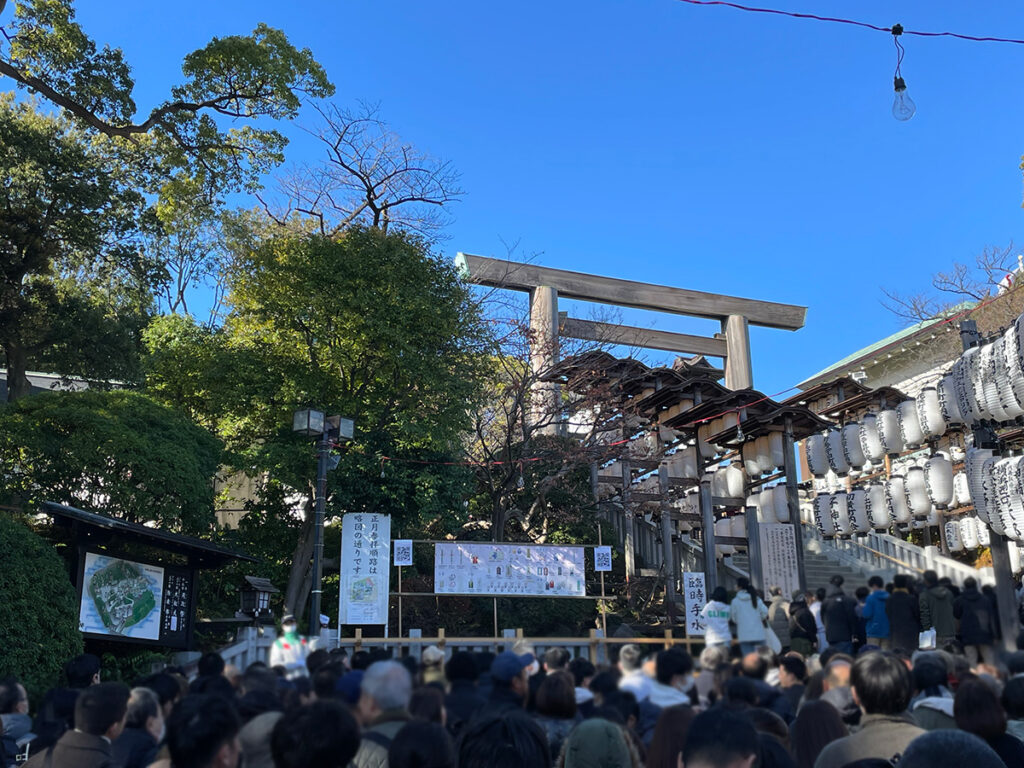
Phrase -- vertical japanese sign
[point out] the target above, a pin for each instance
(694, 599)
(365, 569)
(778, 557)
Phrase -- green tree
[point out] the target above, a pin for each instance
(369, 326)
(73, 277)
(211, 125)
(119, 452)
(38, 608)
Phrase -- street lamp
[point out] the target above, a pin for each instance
(312, 423)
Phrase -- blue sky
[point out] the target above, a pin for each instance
(654, 140)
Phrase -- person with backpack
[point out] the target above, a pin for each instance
(839, 615)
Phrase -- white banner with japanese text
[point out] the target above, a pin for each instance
(508, 569)
(694, 599)
(365, 569)
(778, 557)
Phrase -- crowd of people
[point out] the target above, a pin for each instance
(855, 693)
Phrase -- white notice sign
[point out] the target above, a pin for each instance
(508, 569)
(778, 557)
(365, 569)
(403, 552)
(694, 599)
(602, 558)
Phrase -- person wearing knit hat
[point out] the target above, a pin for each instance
(598, 743)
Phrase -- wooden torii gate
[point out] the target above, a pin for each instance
(545, 285)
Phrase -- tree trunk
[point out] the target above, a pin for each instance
(299, 579)
(18, 384)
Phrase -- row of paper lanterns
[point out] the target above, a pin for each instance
(997, 488)
(987, 382)
(966, 533)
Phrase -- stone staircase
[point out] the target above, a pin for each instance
(819, 568)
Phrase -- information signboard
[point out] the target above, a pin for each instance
(466, 568)
(365, 569)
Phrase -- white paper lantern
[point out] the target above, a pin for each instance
(977, 476)
(857, 504)
(870, 443)
(896, 500)
(776, 450)
(993, 479)
(852, 451)
(875, 504)
(1012, 360)
(961, 490)
(953, 536)
(751, 461)
(840, 511)
(917, 492)
(814, 452)
(988, 370)
(823, 515)
(888, 422)
(963, 386)
(765, 513)
(738, 526)
(938, 475)
(910, 426)
(946, 391)
(1004, 378)
(735, 481)
(984, 538)
(1015, 560)
(968, 532)
(764, 457)
(834, 451)
(929, 413)
(724, 528)
(719, 483)
(707, 450)
(780, 503)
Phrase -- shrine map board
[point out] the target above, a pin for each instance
(508, 569)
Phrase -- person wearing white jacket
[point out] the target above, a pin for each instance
(749, 613)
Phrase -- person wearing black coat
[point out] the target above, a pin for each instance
(978, 625)
(904, 616)
(803, 630)
(839, 615)
(464, 699)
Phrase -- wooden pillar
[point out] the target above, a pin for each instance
(628, 522)
(666, 541)
(707, 512)
(545, 405)
(739, 372)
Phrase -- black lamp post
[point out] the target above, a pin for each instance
(313, 423)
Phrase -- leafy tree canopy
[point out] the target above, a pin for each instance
(120, 453)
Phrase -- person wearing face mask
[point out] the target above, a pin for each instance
(143, 732)
(290, 650)
(674, 672)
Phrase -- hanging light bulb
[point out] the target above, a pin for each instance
(903, 107)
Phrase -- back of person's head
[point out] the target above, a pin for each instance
(838, 672)
(259, 679)
(671, 663)
(142, 705)
(200, 727)
(754, 667)
(882, 683)
(795, 666)
(976, 709)
(948, 746)
(719, 738)
(322, 735)
(930, 578)
(820, 594)
(712, 656)
(556, 696)
(427, 704)
(832, 653)
(775, 591)
(876, 582)
(10, 695)
(604, 682)
(82, 670)
(930, 674)
(970, 583)
(817, 725)
(211, 663)
(630, 657)
(317, 659)
(213, 685)
(861, 593)
(421, 745)
(164, 685)
(623, 703)
(740, 693)
(720, 595)
(669, 736)
(556, 658)
(1013, 698)
(461, 666)
(743, 585)
(101, 706)
(837, 580)
(508, 740)
(389, 684)
(360, 660)
(596, 743)
(581, 669)
(767, 722)
(325, 680)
